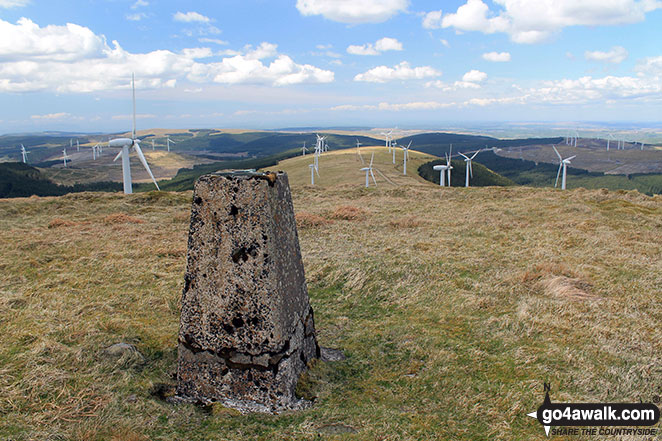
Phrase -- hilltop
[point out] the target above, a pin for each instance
(452, 305)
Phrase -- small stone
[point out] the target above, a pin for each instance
(122, 349)
(330, 354)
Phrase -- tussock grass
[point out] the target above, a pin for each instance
(452, 305)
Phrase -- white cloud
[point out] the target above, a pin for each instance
(213, 40)
(402, 71)
(139, 3)
(529, 21)
(445, 42)
(136, 17)
(497, 57)
(13, 3)
(650, 65)
(324, 46)
(474, 76)
(72, 59)
(432, 20)
(190, 17)
(616, 55)
(417, 105)
(51, 116)
(352, 11)
(381, 45)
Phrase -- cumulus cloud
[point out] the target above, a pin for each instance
(497, 57)
(402, 71)
(13, 3)
(72, 59)
(139, 3)
(352, 11)
(616, 55)
(432, 20)
(381, 45)
(534, 21)
(190, 17)
(474, 76)
(470, 80)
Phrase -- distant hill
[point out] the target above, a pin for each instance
(482, 176)
(21, 180)
(438, 144)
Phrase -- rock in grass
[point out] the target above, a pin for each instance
(247, 330)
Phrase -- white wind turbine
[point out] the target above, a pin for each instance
(77, 145)
(576, 136)
(469, 170)
(304, 149)
(563, 164)
(442, 174)
(95, 151)
(169, 141)
(152, 144)
(406, 155)
(368, 172)
(65, 156)
(313, 170)
(126, 144)
(358, 151)
(448, 163)
(609, 138)
(24, 153)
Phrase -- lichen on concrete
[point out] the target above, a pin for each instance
(247, 330)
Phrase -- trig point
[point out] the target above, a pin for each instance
(247, 330)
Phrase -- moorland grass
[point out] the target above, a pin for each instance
(452, 305)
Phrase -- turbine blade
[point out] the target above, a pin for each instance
(572, 157)
(463, 155)
(133, 87)
(373, 177)
(475, 154)
(136, 147)
(557, 175)
(371, 158)
(119, 155)
(557, 153)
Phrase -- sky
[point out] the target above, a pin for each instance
(67, 65)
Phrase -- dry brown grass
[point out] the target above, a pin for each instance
(57, 222)
(308, 220)
(452, 305)
(348, 212)
(121, 218)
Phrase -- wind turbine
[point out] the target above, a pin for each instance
(24, 153)
(95, 150)
(152, 144)
(304, 149)
(576, 136)
(469, 170)
(442, 174)
(168, 141)
(126, 144)
(448, 163)
(406, 155)
(77, 145)
(563, 164)
(65, 156)
(609, 138)
(368, 172)
(313, 170)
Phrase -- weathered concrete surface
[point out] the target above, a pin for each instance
(247, 329)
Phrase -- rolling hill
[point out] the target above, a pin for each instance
(452, 305)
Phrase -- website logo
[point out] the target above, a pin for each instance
(579, 416)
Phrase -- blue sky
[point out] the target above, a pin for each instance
(66, 65)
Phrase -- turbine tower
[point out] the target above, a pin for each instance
(125, 144)
(168, 141)
(24, 153)
(442, 174)
(313, 170)
(563, 164)
(368, 172)
(304, 149)
(65, 156)
(406, 155)
(469, 170)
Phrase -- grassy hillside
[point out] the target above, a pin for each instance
(452, 305)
